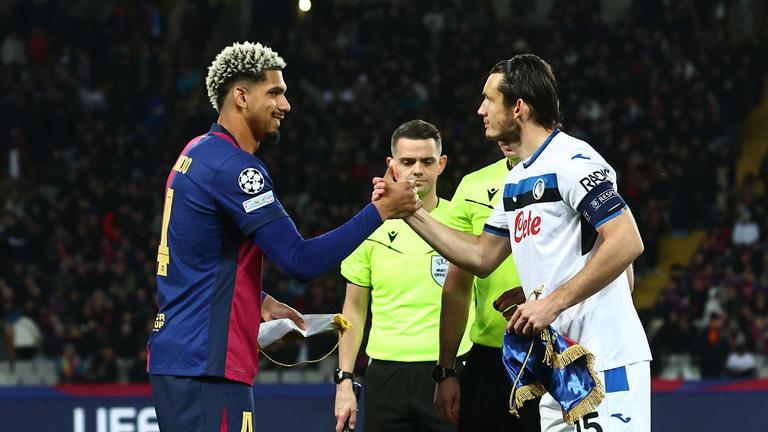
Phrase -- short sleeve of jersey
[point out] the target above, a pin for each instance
(243, 189)
(456, 215)
(497, 221)
(588, 185)
(356, 268)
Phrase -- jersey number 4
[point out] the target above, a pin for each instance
(163, 253)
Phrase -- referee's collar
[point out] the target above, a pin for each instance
(541, 148)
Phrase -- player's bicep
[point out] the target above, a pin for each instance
(621, 226)
(495, 249)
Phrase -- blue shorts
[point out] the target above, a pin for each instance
(202, 404)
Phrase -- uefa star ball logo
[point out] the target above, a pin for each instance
(251, 181)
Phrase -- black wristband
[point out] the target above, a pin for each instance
(439, 373)
(341, 375)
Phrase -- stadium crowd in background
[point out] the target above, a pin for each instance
(97, 98)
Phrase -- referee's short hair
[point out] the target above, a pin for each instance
(417, 129)
(248, 61)
(530, 78)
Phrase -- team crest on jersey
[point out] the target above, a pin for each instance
(538, 189)
(439, 269)
(251, 181)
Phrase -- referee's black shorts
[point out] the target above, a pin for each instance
(201, 404)
(399, 396)
(484, 403)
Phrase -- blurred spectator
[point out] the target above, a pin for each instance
(741, 363)
(96, 102)
(745, 230)
(26, 338)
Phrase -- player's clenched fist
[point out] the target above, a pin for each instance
(393, 199)
(533, 316)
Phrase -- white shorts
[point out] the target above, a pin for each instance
(626, 407)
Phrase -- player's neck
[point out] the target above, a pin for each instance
(531, 138)
(430, 201)
(237, 126)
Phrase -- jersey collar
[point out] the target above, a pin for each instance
(541, 148)
(217, 128)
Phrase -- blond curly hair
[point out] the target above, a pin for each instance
(239, 61)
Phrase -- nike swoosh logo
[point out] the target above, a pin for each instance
(580, 156)
(620, 417)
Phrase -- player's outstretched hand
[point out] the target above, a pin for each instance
(272, 309)
(346, 405)
(532, 317)
(508, 301)
(398, 199)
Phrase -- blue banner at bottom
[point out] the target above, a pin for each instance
(309, 408)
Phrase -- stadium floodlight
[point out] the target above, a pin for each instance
(305, 5)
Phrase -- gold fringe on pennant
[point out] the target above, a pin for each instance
(563, 359)
(522, 395)
(592, 400)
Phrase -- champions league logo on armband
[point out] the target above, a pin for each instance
(439, 269)
(538, 189)
(251, 181)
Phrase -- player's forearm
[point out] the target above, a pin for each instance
(611, 259)
(306, 259)
(457, 295)
(458, 247)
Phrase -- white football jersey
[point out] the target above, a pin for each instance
(552, 204)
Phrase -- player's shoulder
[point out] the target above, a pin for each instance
(571, 150)
(220, 153)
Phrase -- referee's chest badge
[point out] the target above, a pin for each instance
(538, 189)
(439, 269)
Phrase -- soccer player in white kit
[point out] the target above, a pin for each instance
(570, 232)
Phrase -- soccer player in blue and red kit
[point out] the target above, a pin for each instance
(221, 215)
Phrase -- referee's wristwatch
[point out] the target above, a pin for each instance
(439, 373)
(341, 375)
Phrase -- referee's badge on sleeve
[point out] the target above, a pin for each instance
(439, 269)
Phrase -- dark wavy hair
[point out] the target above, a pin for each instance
(530, 78)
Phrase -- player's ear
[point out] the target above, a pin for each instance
(389, 160)
(238, 96)
(519, 108)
